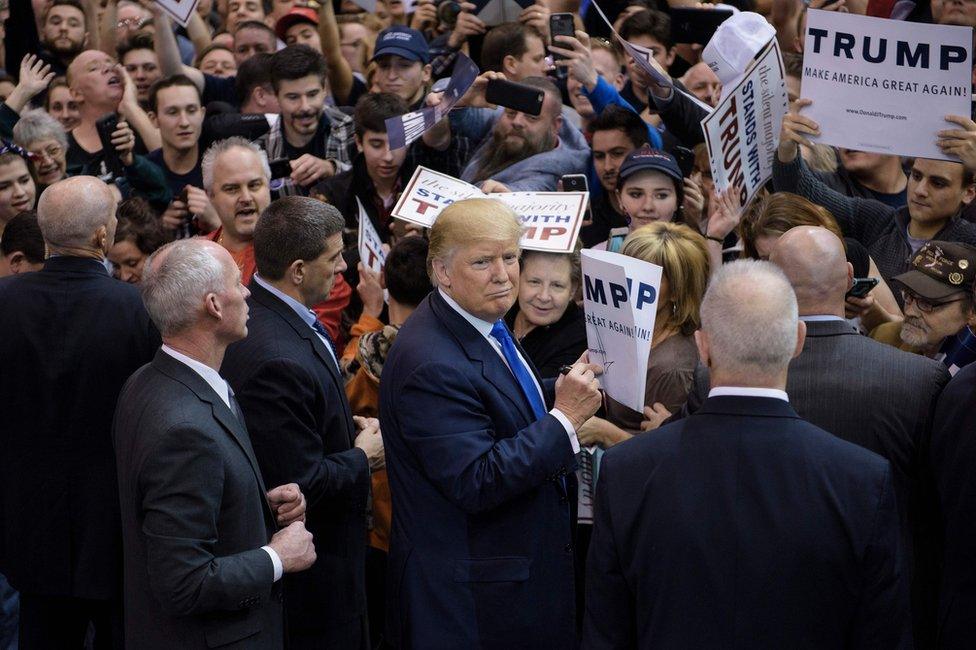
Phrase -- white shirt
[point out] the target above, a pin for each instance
(822, 318)
(484, 328)
(742, 391)
(219, 386)
(306, 314)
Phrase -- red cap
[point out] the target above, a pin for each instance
(293, 17)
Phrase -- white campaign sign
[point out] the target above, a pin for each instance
(552, 220)
(743, 132)
(370, 245)
(620, 301)
(885, 85)
(179, 10)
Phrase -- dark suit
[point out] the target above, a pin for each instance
(70, 335)
(302, 429)
(481, 553)
(882, 399)
(953, 454)
(743, 526)
(194, 517)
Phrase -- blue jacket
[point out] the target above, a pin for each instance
(481, 552)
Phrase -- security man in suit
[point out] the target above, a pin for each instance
(202, 559)
(742, 526)
(479, 453)
(286, 376)
(70, 335)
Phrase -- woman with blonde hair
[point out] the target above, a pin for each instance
(682, 253)
(782, 211)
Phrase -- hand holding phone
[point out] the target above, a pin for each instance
(516, 96)
(560, 24)
(862, 287)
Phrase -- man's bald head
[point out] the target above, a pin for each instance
(94, 78)
(814, 261)
(77, 213)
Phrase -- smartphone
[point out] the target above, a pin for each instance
(280, 168)
(862, 287)
(561, 24)
(516, 96)
(577, 183)
(691, 25)
(106, 126)
(685, 158)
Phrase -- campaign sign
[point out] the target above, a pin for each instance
(179, 10)
(429, 192)
(620, 302)
(402, 130)
(885, 85)
(370, 245)
(552, 220)
(742, 133)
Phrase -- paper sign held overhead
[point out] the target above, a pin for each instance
(552, 220)
(178, 10)
(620, 297)
(885, 86)
(743, 132)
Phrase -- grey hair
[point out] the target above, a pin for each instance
(750, 317)
(174, 287)
(222, 146)
(71, 210)
(38, 125)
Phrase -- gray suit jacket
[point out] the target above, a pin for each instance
(882, 399)
(194, 516)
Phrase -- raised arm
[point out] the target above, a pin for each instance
(340, 74)
(168, 51)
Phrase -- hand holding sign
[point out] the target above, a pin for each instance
(960, 143)
(794, 130)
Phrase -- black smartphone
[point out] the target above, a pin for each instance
(561, 24)
(280, 168)
(516, 96)
(685, 158)
(862, 287)
(106, 126)
(691, 25)
(577, 183)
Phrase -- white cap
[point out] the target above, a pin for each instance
(736, 43)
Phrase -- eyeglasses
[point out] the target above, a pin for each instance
(51, 152)
(924, 305)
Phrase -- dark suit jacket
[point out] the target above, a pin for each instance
(882, 399)
(302, 430)
(743, 526)
(70, 335)
(481, 553)
(954, 459)
(194, 517)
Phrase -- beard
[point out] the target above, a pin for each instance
(500, 153)
(65, 51)
(914, 332)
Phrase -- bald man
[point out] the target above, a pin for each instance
(859, 391)
(70, 335)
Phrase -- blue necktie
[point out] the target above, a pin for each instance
(324, 333)
(500, 333)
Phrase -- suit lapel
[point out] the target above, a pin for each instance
(221, 413)
(478, 349)
(303, 331)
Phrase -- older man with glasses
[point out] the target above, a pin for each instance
(940, 311)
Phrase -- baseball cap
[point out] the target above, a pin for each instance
(941, 269)
(402, 41)
(647, 159)
(736, 43)
(293, 17)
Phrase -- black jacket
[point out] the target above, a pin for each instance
(743, 526)
(70, 335)
(194, 518)
(302, 429)
(553, 346)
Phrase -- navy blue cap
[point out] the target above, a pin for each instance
(402, 41)
(647, 159)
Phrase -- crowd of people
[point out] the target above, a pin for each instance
(223, 428)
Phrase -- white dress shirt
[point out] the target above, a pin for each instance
(219, 386)
(821, 318)
(742, 391)
(484, 328)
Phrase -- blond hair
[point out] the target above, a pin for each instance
(682, 253)
(468, 221)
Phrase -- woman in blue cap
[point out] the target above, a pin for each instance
(650, 188)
